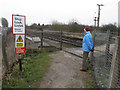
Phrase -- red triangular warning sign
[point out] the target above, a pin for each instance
(19, 39)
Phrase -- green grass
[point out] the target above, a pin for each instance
(90, 84)
(34, 67)
(90, 71)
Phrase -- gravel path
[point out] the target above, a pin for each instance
(64, 72)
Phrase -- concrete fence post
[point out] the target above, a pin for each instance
(92, 53)
(5, 60)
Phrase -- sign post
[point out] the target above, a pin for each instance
(19, 30)
(20, 62)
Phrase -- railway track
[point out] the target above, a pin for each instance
(56, 37)
(65, 39)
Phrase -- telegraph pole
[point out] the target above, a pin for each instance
(99, 14)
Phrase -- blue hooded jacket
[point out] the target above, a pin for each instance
(87, 44)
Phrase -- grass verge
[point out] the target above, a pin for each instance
(91, 83)
(34, 66)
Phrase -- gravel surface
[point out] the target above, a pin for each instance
(64, 72)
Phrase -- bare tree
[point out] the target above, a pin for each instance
(111, 27)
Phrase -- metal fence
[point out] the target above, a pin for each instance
(0, 59)
(106, 56)
(57, 39)
(8, 53)
(106, 61)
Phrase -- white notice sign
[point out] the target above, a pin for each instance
(18, 24)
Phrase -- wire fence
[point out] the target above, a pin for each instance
(115, 67)
(105, 61)
(0, 58)
(106, 55)
(7, 50)
(58, 39)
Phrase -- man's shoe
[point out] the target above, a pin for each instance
(83, 70)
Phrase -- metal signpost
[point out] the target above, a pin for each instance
(19, 30)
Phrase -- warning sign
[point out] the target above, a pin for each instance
(19, 44)
(20, 39)
(19, 50)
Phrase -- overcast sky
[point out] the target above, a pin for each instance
(64, 11)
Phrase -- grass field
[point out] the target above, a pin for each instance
(34, 66)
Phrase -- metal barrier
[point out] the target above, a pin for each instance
(0, 60)
(105, 59)
(58, 39)
(115, 67)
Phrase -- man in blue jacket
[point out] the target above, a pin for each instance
(87, 46)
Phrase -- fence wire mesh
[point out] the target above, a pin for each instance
(0, 58)
(103, 59)
(115, 68)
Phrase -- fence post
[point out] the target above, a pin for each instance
(92, 53)
(118, 59)
(60, 39)
(1, 59)
(41, 37)
(114, 72)
(107, 48)
(4, 47)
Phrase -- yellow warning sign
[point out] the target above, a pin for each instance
(20, 39)
(19, 45)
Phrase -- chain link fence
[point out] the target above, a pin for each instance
(8, 51)
(105, 61)
(0, 58)
(115, 67)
